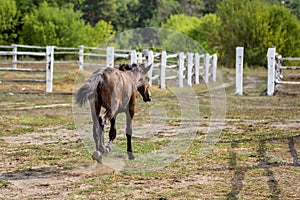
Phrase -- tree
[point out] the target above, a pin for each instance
(181, 23)
(256, 26)
(8, 21)
(294, 5)
(203, 30)
(285, 29)
(102, 31)
(52, 26)
(206, 32)
(95, 10)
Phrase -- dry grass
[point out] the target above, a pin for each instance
(256, 156)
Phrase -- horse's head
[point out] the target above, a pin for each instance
(142, 80)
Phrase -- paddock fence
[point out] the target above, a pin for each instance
(182, 69)
(276, 75)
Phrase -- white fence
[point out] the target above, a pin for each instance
(185, 68)
(239, 67)
(275, 70)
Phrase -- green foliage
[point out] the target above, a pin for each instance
(181, 23)
(217, 25)
(95, 10)
(8, 21)
(203, 30)
(166, 8)
(256, 26)
(286, 31)
(53, 26)
(95, 35)
(206, 32)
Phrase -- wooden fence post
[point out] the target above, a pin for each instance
(110, 56)
(163, 65)
(206, 68)
(133, 57)
(49, 67)
(15, 56)
(81, 57)
(180, 69)
(239, 60)
(189, 68)
(214, 67)
(196, 67)
(150, 61)
(271, 71)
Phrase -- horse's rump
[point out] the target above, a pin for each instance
(89, 89)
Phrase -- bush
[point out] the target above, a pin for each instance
(8, 21)
(53, 26)
(256, 26)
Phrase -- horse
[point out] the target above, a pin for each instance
(115, 90)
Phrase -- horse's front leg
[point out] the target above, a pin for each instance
(129, 117)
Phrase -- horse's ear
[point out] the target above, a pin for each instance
(148, 68)
(128, 67)
(122, 67)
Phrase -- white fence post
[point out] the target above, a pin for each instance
(189, 68)
(239, 60)
(196, 67)
(15, 56)
(150, 60)
(139, 58)
(278, 69)
(271, 71)
(81, 57)
(214, 67)
(133, 57)
(206, 68)
(110, 56)
(180, 68)
(49, 67)
(163, 65)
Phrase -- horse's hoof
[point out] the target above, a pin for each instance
(130, 156)
(97, 156)
(108, 148)
(103, 151)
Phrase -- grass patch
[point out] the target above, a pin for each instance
(4, 183)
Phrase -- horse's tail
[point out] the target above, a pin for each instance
(89, 89)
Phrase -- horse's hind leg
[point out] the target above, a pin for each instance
(97, 129)
(112, 133)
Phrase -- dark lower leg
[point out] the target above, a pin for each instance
(129, 147)
(112, 133)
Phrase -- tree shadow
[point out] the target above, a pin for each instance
(263, 162)
(294, 154)
(30, 173)
(238, 176)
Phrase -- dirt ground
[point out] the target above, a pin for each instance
(257, 155)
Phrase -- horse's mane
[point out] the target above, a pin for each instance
(132, 67)
(125, 67)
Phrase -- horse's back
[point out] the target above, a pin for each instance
(116, 86)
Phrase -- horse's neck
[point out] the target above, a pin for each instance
(135, 77)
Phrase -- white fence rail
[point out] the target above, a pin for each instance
(185, 68)
(275, 70)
